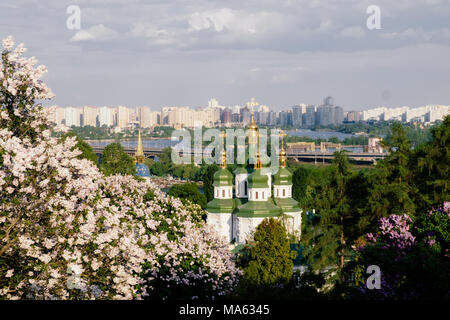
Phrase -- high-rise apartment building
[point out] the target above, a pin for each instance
(227, 116)
(106, 117)
(122, 117)
(297, 115)
(309, 117)
(72, 116)
(89, 116)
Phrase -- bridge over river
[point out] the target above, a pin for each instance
(302, 155)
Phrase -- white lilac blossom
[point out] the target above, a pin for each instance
(69, 232)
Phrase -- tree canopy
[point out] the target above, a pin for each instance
(116, 161)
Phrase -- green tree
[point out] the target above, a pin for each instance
(86, 150)
(116, 161)
(432, 174)
(393, 188)
(208, 180)
(331, 229)
(270, 258)
(300, 184)
(188, 192)
(157, 169)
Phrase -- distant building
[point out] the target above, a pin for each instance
(428, 113)
(285, 118)
(309, 117)
(297, 115)
(227, 116)
(338, 115)
(123, 117)
(353, 116)
(106, 117)
(245, 114)
(374, 145)
(89, 116)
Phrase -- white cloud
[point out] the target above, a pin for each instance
(353, 32)
(235, 21)
(97, 33)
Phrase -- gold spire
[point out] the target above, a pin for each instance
(139, 156)
(282, 155)
(258, 157)
(224, 154)
(253, 125)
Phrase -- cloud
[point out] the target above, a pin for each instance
(238, 22)
(353, 32)
(95, 33)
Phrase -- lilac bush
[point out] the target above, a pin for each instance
(69, 232)
(412, 256)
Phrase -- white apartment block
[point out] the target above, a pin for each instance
(106, 116)
(123, 117)
(90, 116)
(429, 113)
(146, 117)
(72, 116)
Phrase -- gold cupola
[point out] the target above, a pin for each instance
(139, 156)
(253, 128)
(282, 154)
(223, 163)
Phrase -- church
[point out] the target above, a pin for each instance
(139, 160)
(257, 193)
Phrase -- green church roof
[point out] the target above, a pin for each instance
(220, 206)
(287, 204)
(240, 170)
(258, 180)
(223, 178)
(257, 209)
(283, 177)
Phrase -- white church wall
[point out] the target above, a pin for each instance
(222, 223)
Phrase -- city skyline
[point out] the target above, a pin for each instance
(298, 116)
(168, 53)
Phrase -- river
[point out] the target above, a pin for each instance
(163, 143)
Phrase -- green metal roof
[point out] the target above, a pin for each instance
(258, 209)
(283, 177)
(220, 206)
(287, 204)
(258, 180)
(240, 170)
(223, 178)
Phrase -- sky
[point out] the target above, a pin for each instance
(282, 52)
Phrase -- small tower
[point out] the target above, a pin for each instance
(139, 159)
(220, 209)
(259, 205)
(282, 192)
